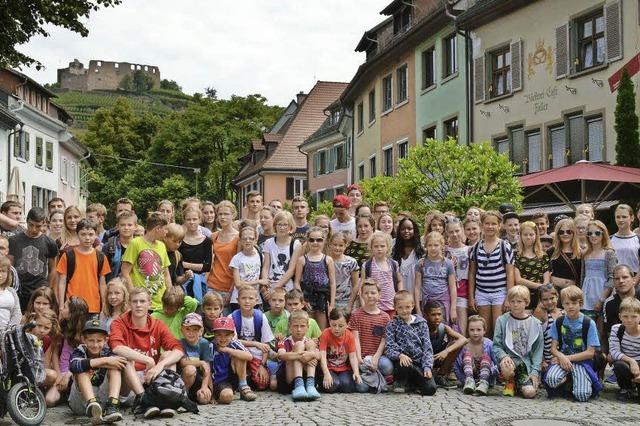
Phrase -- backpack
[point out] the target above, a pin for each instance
(599, 361)
(257, 323)
(392, 265)
(71, 263)
(114, 254)
(195, 287)
(168, 391)
(503, 252)
(620, 333)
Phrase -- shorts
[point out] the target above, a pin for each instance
(491, 299)
(462, 302)
(253, 367)
(318, 300)
(78, 403)
(462, 288)
(195, 387)
(230, 383)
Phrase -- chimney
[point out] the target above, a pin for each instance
(300, 97)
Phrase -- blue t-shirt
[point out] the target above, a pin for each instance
(572, 336)
(221, 362)
(435, 276)
(200, 351)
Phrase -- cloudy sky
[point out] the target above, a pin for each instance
(272, 47)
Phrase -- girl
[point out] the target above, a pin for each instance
(532, 264)
(625, 241)
(436, 223)
(47, 331)
(316, 277)
(166, 208)
(246, 266)
(41, 299)
(475, 366)
(458, 252)
(266, 224)
(385, 224)
(117, 301)
(347, 272)
(407, 250)
(209, 216)
(281, 254)
(363, 209)
(547, 312)
(338, 357)
(490, 271)
(225, 246)
(323, 222)
(359, 247)
(195, 248)
(473, 213)
(566, 256)
(354, 192)
(56, 224)
(436, 278)
(471, 231)
(598, 262)
(581, 222)
(384, 270)
(69, 238)
(586, 210)
(10, 313)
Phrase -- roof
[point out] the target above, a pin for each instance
(308, 117)
(272, 137)
(392, 7)
(553, 209)
(7, 117)
(325, 128)
(486, 11)
(32, 81)
(370, 35)
(256, 145)
(582, 170)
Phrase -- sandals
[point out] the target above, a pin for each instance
(246, 394)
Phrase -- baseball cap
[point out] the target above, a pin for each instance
(341, 200)
(224, 323)
(510, 215)
(94, 325)
(192, 319)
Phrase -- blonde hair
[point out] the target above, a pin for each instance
(379, 235)
(228, 204)
(557, 245)
(572, 293)
(537, 246)
(476, 318)
(189, 210)
(630, 305)
(402, 296)
(519, 291)
(118, 283)
(212, 299)
(247, 289)
(434, 236)
(628, 209)
(606, 242)
(490, 213)
(284, 216)
(298, 315)
(173, 297)
(175, 231)
(6, 263)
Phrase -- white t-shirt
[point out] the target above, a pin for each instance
(627, 250)
(280, 257)
(247, 332)
(349, 226)
(249, 269)
(7, 303)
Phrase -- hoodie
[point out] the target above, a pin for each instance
(410, 339)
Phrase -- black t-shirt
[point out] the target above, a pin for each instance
(561, 269)
(30, 258)
(175, 265)
(300, 233)
(199, 253)
(11, 232)
(612, 311)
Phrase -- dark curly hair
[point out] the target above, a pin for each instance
(398, 247)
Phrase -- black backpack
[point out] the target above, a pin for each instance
(71, 263)
(168, 391)
(599, 360)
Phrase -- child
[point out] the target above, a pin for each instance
(281, 254)
(116, 245)
(196, 371)
(294, 301)
(407, 250)
(175, 307)
(299, 358)
(436, 278)
(97, 376)
(518, 344)
(254, 333)
(511, 226)
(338, 357)
(195, 248)
(229, 363)
(117, 301)
(473, 213)
(436, 223)
(47, 330)
(97, 212)
(581, 222)
(547, 312)
(323, 221)
(316, 277)
(346, 271)
(625, 241)
(267, 214)
(532, 263)
(384, 270)
(368, 324)
(475, 363)
(172, 241)
(10, 313)
(409, 348)
(42, 299)
(358, 248)
(472, 231)
(542, 223)
(385, 224)
(566, 256)
(276, 312)
(212, 307)
(458, 252)
(575, 340)
(209, 216)
(247, 266)
(445, 341)
(623, 347)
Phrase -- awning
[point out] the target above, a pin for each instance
(555, 209)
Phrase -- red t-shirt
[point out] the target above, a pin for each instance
(370, 328)
(338, 349)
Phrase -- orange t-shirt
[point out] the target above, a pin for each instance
(84, 282)
(338, 349)
(221, 276)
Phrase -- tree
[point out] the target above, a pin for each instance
(626, 124)
(142, 82)
(21, 20)
(211, 93)
(126, 83)
(170, 85)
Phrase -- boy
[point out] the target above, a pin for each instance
(574, 342)
(518, 343)
(212, 306)
(145, 262)
(343, 221)
(121, 205)
(97, 213)
(276, 313)
(91, 363)
(294, 301)
(13, 211)
(196, 371)
(173, 239)
(82, 271)
(255, 334)
(445, 341)
(115, 246)
(368, 324)
(409, 347)
(300, 210)
(624, 347)
(229, 365)
(511, 226)
(175, 307)
(254, 205)
(542, 223)
(299, 356)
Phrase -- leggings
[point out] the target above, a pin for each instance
(481, 366)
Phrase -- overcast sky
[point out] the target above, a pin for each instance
(272, 47)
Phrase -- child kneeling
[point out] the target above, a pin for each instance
(623, 347)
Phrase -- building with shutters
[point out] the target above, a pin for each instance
(544, 76)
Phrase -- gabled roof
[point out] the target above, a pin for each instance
(32, 81)
(370, 36)
(272, 137)
(256, 145)
(392, 7)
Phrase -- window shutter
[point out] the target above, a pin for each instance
(576, 138)
(596, 139)
(478, 79)
(289, 188)
(562, 51)
(315, 164)
(519, 153)
(26, 146)
(516, 66)
(331, 162)
(613, 31)
(16, 143)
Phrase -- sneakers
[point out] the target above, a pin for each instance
(247, 394)
(150, 412)
(509, 388)
(168, 413)
(624, 395)
(483, 388)
(299, 394)
(94, 412)
(612, 379)
(312, 393)
(469, 386)
(444, 382)
(111, 413)
(398, 388)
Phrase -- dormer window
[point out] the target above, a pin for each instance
(334, 117)
(402, 19)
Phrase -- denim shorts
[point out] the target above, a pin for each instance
(491, 299)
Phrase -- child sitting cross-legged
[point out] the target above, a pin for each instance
(624, 348)
(196, 371)
(339, 359)
(299, 358)
(475, 366)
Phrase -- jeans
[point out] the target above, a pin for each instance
(385, 366)
(412, 377)
(342, 382)
(623, 375)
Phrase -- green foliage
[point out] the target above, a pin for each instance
(141, 82)
(21, 20)
(626, 124)
(381, 188)
(126, 83)
(325, 208)
(170, 85)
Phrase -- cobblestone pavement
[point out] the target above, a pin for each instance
(447, 407)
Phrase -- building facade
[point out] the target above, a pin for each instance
(102, 75)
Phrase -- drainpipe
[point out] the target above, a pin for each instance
(16, 130)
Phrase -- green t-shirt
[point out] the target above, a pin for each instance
(282, 328)
(175, 322)
(273, 321)
(148, 264)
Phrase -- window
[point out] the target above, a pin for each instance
(40, 196)
(99, 63)
(341, 158)
(500, 72)
(502, 146)
(372, 106)
(64, 170)
(322, 169)
(402, 19)
(450, 55)
(21, 145)
(595, 137)
(403, 149)
(428, 133)
(73, 177)
(591, 47)
(401, 80)
(451, 128)
(295, 187)
(334, 117)
(558, 146)
(388, 161)
(387, 99)
(116, 65)
(428, 67)
(372, 166)
(534, 152)
(360, 118)
(577, 142)
(361, 171)
(518, 154)
(49, 156)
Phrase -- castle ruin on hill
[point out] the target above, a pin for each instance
(102, 75)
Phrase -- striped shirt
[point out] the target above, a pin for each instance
(546, 332)
(385, 281)
(370, 328)
(630, 345)
(491, 275)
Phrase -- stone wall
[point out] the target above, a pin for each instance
(102, 75)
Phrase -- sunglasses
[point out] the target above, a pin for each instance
(316, 240)
(565, 232)
(594, 234)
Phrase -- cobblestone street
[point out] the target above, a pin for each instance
(447, 407)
